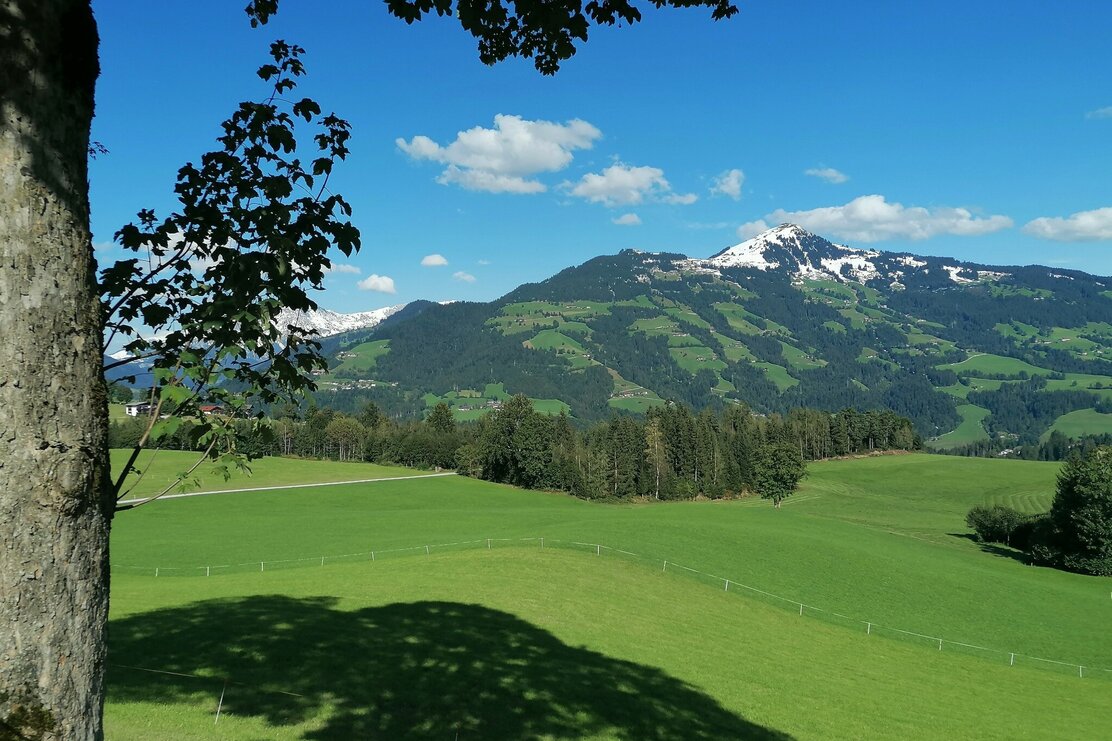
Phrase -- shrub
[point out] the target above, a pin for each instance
(998, 524)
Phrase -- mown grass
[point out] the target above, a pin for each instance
(635, 404)
(1082, 422)
(971, 429)
(990, 364)
(157, 469)
(407, 646)
(522, 643)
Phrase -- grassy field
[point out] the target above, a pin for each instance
(970, 430)
(609, 646)
(363, 357)
(157, 469)
(990, 364)
(1082, 422)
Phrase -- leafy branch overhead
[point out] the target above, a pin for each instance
(200, 298)
(545, 31)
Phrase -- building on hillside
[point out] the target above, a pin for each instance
(137, 408)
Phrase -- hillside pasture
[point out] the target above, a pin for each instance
(362, 357)
(989, 364)
(157, 469)
(971, 429)
(778, 374)
(694, 358)
(1082, 422)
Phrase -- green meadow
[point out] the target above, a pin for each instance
(970, 430)
(567, 641)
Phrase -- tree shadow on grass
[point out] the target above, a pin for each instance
(995, 549)
(425, 670)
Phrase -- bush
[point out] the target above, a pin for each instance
(998, 524)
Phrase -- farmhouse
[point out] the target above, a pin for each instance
(137, 408)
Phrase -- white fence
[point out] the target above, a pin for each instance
(728, 585)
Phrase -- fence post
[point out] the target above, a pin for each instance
(665, 566)
(261, 566)
(322, 560)
(372, 555)
(156, 571)
(868, 629)
(598, 549)
(220, 704)
(488, 544)
(939, 644)
(1081, 672)
(800, 608)
(727, 585)
(207, 571)
(542, 544)
(1012, 661)
(427, 550)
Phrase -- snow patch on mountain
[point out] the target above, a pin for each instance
(955, 276)
(323, 323)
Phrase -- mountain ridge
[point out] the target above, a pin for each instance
(940, 340)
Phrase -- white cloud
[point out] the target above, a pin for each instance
(829, 174)
(751, 229)
(462, 276)
(1083, 226)
(623, 185)
(1105, 112)
(339, 267)
(873, 219)
(504, 159)
(484, 262)
(630, 219)
(491, 182)
(434, 260)
(680, 199)
(380, 283)
(729, 183)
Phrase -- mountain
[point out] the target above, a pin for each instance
(972, 353)
(326, 323)
(806, 256)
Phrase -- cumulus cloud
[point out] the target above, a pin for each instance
(630, 219)
(623, 185)
(750, 229)
(873, 219)
(462, 276)
(339, 267)
(506, 158)
(1105, 112)
(380, 283)
(829, 174)
(1083, 226)
(729, 184)
(434, 260)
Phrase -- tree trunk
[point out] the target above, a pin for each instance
(55, 504)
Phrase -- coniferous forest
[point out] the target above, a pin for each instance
(672, 453)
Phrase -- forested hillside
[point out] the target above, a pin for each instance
(971, 353)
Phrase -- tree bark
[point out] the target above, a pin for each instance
(55, 503)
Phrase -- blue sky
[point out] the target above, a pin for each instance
(974, 130)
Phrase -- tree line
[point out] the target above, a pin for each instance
(672, 453)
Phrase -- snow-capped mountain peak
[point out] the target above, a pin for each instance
(325, 323)
(802, 255)
(799, 252)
